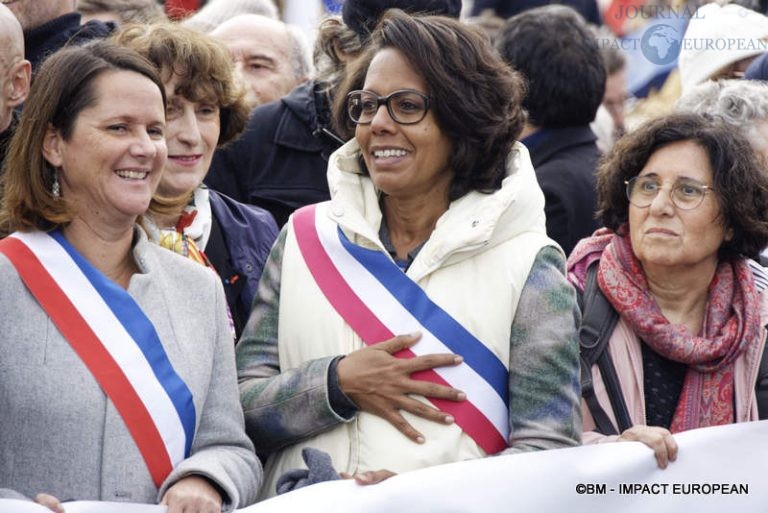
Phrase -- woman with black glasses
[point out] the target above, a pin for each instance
(422, 316)
(683, 201)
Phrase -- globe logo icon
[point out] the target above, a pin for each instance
(660, 44)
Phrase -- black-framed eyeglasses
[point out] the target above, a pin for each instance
(405, 106)
(685, 193)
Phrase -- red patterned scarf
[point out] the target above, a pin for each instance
(731, 324)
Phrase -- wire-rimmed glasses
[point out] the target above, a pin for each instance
(685, 193)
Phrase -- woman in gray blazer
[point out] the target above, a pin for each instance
(117, 375)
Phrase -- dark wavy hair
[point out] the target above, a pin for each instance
(740, 183)
(476, 98)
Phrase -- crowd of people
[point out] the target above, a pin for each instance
(232, 267)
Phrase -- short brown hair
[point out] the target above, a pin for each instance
(63, 87)
(476, 97)
(739, 182)
(204, 65)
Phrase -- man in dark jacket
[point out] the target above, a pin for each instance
(50, 24)
(552, 46)
(279, 162)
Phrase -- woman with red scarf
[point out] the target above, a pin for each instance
(683, 201)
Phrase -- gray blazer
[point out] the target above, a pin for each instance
(60, 434)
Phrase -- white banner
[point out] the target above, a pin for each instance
(718, 469)
(15, 506)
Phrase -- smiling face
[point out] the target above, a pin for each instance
(403, 160)
(664, 235)
(192, 134)
(110, 166)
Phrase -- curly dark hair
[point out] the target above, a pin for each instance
(476, 98)
(740, 183)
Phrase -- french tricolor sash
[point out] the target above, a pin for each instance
(115, 340)
(378, 301)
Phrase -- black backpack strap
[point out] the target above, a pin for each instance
(597, 324)
(613, 388)
(602, 421)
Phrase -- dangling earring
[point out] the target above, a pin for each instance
(56, 188)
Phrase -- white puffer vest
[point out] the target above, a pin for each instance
(474, 266)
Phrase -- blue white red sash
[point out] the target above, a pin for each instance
(115, 340)
(379, 301)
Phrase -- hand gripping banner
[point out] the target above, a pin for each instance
(379, 301)
(115, 340)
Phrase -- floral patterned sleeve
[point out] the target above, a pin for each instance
(281, 407)
(544, 387)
